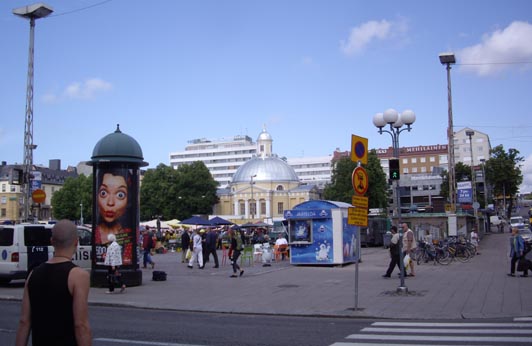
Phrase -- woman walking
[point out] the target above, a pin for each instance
(113, 261)
(236, 248)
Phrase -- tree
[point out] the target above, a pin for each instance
(504, 174)
(180, 193)
(462, 172)
(378, 186)
(341, 186)
(66, 203)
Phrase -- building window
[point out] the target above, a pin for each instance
(280, 208)
(252, 207)
(405, 170)
(4, 199)
(414, 169)
(423, 169)
(279, 188)
(242, 208)
(414, 160)
(422, 159)
(262, 207)
(3, 187)
(3, 212)
(405, 161)
(432, 159)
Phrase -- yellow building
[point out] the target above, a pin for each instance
(263, 188)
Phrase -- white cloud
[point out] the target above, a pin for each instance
(361, 36)
(526, 169)
(498, 50)
(86, 90)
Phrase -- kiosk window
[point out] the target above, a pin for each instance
(300, 231)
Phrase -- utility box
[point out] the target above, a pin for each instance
(116, 161)
(320, 235)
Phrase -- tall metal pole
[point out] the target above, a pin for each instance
(470, 134)
(450, 135)
(28, 125)
(31, 12)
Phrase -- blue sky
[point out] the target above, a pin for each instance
(313, 72)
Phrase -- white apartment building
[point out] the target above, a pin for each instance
(223, 157)
(313, 170)
(480, 143)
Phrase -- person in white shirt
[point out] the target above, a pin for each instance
(281, 241)
(113, 261)
(197, 251)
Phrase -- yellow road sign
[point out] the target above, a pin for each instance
(360, 180)
(357, 216)
(360, 201)
(359, 149)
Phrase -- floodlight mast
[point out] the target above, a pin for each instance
(31, 12)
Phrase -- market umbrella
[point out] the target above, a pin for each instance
(218, 221)
(196, 221)
(173, 223)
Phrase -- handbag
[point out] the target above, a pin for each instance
(406, 261)
(188, 255)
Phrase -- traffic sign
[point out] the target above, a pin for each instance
(360, 181)
(360, 201)
(359, 149)
(357, 216)
(38, 196)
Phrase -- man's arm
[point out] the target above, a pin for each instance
(24, 324)
(78, 284)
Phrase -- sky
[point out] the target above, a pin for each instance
(311, 72)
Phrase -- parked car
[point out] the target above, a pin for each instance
(25, 246)
(517, 221)
(498, 221)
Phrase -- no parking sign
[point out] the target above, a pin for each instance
(359, 149)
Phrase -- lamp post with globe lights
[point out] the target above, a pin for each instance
(396, 122)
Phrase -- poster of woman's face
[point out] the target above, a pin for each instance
(116, 192)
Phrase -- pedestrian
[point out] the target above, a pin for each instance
(474, 240)
(210, 244)
(237, 245)
(147, 246)
(517, 247)
(409, 245)
(395, 254)
(197, 251)
(113, 261)
(185, 243)
(55, 301)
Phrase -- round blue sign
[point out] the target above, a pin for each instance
(360, 149)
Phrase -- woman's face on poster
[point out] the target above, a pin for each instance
(112, 197)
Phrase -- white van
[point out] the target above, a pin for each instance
(25, 246)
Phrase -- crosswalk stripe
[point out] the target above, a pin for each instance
(451, 324)
(446, 331)
(487, 339)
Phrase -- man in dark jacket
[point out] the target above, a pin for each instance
(394, 253)
(185, 243)
(210, 245)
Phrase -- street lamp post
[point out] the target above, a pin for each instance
(470, 134)
(396, 121)
(448, 59)
(252, 202)
(81, 215)
(31, 12)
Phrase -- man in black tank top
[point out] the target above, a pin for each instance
(55, 301)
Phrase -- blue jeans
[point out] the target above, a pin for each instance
(147, 257)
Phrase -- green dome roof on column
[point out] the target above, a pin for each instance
(118, 147)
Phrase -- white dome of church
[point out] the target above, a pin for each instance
(265, 169)
(266, 166)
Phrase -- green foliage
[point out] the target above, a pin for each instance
(66, 203)
(180, 193)
(341, 186)
(503, 173)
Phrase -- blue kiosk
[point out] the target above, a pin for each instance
(320, 235)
